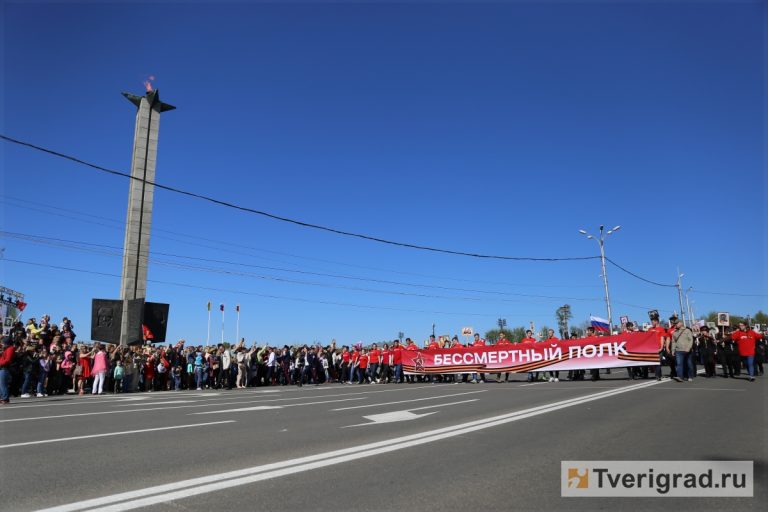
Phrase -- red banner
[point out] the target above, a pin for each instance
(628, 349)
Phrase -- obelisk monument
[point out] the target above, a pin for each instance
(133, 287)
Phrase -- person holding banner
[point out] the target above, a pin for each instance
(553, 376)
(478, 343)
(411, 346)
(661, 333)
(503, 341)
(529, 339)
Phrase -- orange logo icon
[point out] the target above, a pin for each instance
(578, 478)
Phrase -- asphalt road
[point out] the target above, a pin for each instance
(372, 447)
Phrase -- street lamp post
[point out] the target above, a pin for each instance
(680, 295)
(502, 323)
(688, 305)
(601, 242)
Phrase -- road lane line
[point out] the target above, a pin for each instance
(108, 434)
(444, 405)
(211, 483)
(252, 400)
(438, 397)
(265, 407)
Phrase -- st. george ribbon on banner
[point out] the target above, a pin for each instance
(619, 351)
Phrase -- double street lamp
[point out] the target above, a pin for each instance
(601, 242)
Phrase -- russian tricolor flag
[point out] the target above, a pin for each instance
(600, 324)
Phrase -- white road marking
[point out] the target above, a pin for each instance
(90, 399)
(438, 397)
(217, 482)
(444, 405)
(265, 407)
(108, 434)
(159, 403)
(391, 417)
(405, 415)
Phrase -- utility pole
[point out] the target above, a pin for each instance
(680, 295)
(691, 318)
(601, 242)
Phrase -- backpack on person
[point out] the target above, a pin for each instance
(119, 372)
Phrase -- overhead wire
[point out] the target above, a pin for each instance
(116, 251)
(242, 292)
(247, 209)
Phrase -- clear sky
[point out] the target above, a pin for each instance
(498, 128)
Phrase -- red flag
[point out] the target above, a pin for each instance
(221, 307)
(20, 305)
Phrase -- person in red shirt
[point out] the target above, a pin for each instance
(397, 361)
(529, 340)
(503, 341)
(373, 362)
(478, 342)
(593, 338)
(433, 344)
(661, 335)
(362, 365)
(745, 340)
(353, 368)
(386, 364)
(551, 338)
(346, 357)
(6, 358)
(410, 346)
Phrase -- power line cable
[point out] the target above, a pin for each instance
(242, 292)
(286, 219)
(637, 276)
(220, 243)
(116, 251)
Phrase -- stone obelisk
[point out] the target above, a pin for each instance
(133, 287)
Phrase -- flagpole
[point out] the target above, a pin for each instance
(208, 336)
(222, 323)
(237, 329)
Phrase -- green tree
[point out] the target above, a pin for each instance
(515, 335)
(563, 314)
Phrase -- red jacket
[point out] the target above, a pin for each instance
(746, 341)
(7, 356)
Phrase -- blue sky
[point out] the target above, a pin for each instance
(499, 128)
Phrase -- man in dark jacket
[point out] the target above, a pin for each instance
(707, 350)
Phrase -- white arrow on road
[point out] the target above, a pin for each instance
(406, 415)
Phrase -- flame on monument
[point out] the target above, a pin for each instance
(148, 83)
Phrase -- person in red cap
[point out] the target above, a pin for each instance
(745, 339)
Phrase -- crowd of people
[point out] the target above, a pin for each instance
(41, 358)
